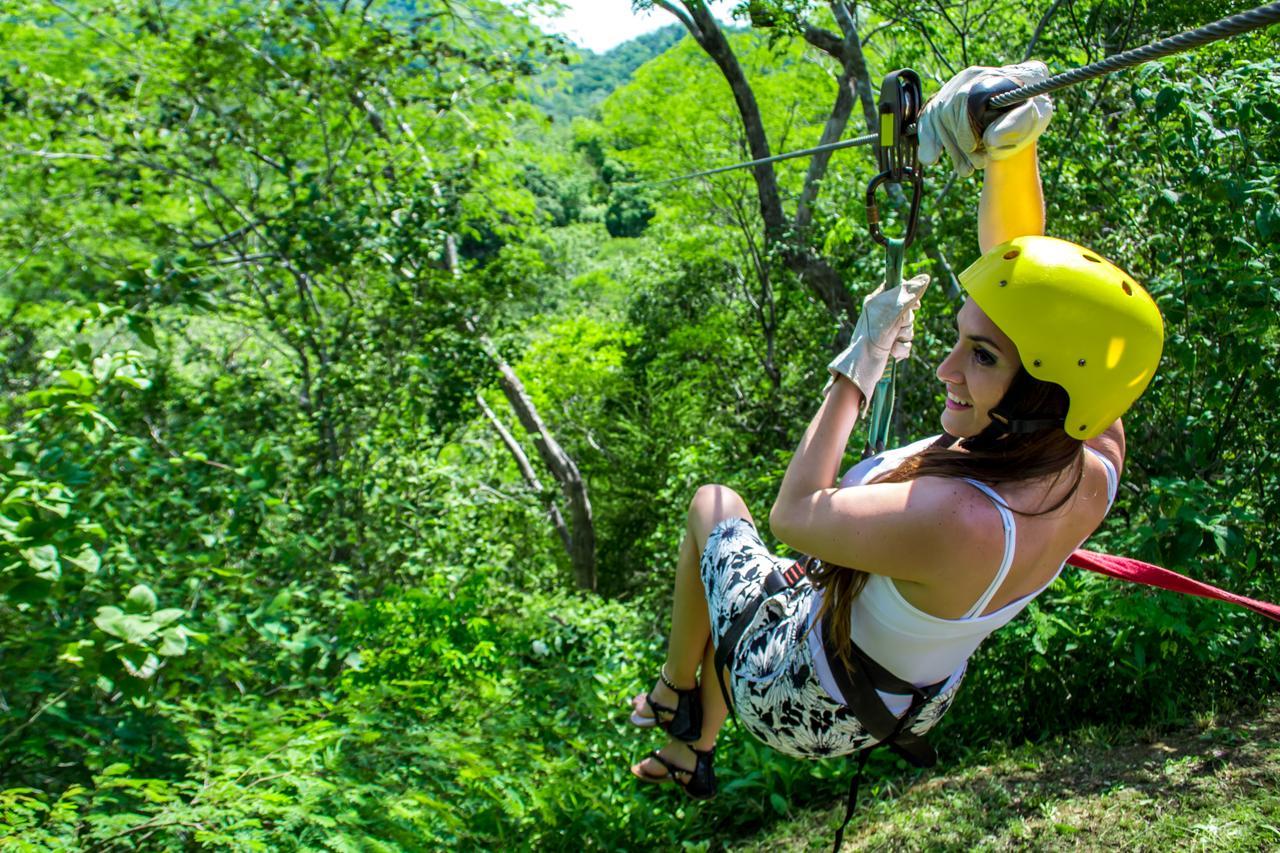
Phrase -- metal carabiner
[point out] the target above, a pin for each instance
(897, 149)
(911, 176)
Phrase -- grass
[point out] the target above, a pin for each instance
(1210, 785)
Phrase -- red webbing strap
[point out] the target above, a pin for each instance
(1137, 571)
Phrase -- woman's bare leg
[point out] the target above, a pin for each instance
(690, 644)
(690, 623)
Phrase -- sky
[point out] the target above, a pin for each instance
(601, 24)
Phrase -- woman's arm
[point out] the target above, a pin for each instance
(816, 463)
(883, 332)
(1012, 202)
(894, 529)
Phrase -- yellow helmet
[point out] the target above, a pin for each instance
(1077, 320)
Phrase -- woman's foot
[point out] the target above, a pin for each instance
(681, 763)
(676, 710)
(643, 713)
(679, 753)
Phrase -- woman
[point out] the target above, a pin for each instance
(922, 551)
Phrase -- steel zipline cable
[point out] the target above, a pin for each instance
(790, 155)
(1235, 25)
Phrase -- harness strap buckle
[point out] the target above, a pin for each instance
(776, 581)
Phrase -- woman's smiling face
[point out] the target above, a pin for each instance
(977, 372)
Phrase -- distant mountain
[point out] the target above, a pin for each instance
(595, 75)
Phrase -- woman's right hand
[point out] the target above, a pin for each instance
(884, 329)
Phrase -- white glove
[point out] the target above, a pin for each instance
(884, 329)
(946, 122)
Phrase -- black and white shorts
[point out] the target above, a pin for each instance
(775, 686)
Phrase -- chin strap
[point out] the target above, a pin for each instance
(1023, 426)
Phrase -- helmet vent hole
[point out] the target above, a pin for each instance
(1011, 254)
(1037, 362)
(1128, 288)
(1081, 362)
(1093, 259)
(1004, 282)
(1082, 427)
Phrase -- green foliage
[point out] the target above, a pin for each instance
(270, 579)
(71, 617)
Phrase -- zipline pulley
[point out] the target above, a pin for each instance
(901, 99)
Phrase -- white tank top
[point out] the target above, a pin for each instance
(917, 646)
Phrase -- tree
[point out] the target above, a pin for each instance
(786, 235)
(313, 170)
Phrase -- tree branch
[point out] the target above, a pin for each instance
(825, 41)
(856, 65)
(1227, 424)
(582, 538)
(1044, 22)
(229, 237)
(682, 17)
(865, 40)
(530, 476)
(241, 260)
(47, 705)
(831, 132)
(853, 79)
(582, 544)
(846, 18)
(56, 155)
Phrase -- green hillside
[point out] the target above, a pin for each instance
(590, 77)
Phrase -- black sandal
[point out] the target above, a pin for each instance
(699, 783)
(683, 722)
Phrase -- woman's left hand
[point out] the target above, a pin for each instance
(885, 328)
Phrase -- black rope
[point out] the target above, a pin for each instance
(851, 804)
(1233, 26)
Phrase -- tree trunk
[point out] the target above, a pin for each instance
(582, 537)
(530, 476)
(810, 268)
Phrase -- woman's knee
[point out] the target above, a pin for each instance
(712, 504)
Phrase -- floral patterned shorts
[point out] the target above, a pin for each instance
(775, 687)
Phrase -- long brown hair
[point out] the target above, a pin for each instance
(993, 456)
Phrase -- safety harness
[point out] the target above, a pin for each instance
(860, 681)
